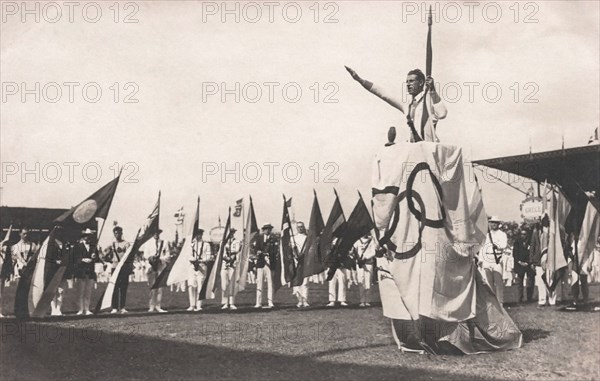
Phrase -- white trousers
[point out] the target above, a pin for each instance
(261, 274)
(84, 287)
(226, 279)
(543, 293)
(365, 274)
(155, 294)
(493, 277)
(338, 281)
(301, 292)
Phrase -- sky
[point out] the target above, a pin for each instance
(191, 101)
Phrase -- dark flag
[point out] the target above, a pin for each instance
(6, 270)
(34, 293)
(238, 208)
(123, 269)
(335, 220)
(150, 228)
(289, 203)
(287, 248)
(312, 254)
(359, 223)
(241, 270)
(95, 206)
(213, 281)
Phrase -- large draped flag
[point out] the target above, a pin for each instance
(311, 253)
(213, 281)
(123, 269)
(588, 236)
(286, 270)
(95, 206)
(335, 220)
(241, 270)
(359, 223)
(558, 210)
(34, 292)
(178, 270)
(425, 216)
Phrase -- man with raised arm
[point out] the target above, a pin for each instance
(423, 93)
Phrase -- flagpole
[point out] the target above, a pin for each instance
(103, 220)
(194, 229)
(243, 217)
(291, 229)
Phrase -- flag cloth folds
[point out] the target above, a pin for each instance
(238, 208)
(359, 223)
(213, 282)
(124, 267)
(32, 283)
(178, 270)
(241, 270)
(335, 220)
(558, 210)
(588, 236)
(285, 272)
(428, 222)
(34, 292)
(95, 206)
(314, 262)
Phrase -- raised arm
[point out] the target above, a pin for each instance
(394, 102)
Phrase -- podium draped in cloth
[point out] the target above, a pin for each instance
(430, 219)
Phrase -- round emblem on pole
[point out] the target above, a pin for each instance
(85, 211)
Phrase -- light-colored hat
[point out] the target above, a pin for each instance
(87, 231)
(494, 219)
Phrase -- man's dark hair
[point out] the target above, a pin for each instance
(418, 73)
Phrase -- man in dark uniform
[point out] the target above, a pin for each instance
(523, 265)
(265, 246)
(85, 255)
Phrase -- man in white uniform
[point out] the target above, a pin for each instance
(490, 257)
(232, 248)
(22, 252)
(301, 291)
(364, 252)
(201, 255)
(157, 255)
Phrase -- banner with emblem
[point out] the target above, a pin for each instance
(95, 206)
(431, 221)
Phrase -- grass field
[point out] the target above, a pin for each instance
(285, 343)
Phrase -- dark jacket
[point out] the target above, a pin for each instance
(521, 254)
(54, 255)
(266, 248)
(83, 270)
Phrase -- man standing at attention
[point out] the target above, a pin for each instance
(119, 248)
(22, 251)
(201, 255)
(266, 249)
(232, 248)
(301, 291)
(490, 256)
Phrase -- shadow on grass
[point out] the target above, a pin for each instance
(534, 334)
(41, 351)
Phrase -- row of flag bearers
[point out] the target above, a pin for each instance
(278, 259)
